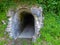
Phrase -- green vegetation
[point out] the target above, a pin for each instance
(50, 33)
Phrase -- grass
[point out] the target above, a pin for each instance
(50, 33)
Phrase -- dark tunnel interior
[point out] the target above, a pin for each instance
(27, 24)
(27, 19)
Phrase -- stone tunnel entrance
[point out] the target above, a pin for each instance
(27, 25)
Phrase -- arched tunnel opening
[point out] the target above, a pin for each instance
(27, 25)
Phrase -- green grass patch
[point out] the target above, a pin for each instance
(50, 33)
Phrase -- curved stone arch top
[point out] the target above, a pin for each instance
(15, 18)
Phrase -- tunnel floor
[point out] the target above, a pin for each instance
(28, 32)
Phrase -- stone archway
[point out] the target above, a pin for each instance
(25, 22)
